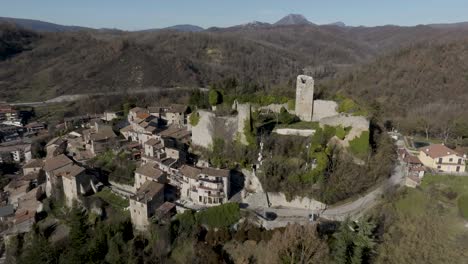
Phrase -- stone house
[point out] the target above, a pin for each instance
(75, 182)
(204, 186)
(136, 114)
(15, 190)
(149, 172)
(56, 146)
(141, 130)
(110, 115)
(99, 138)
(35, 127)
(440, 158)
(15, 152)
(33, 166)
(9, 115)
(52, 165)
(162, 149)
(173, 114)
(145, 202)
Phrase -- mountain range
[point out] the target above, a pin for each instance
(401, 68)
(288, 20)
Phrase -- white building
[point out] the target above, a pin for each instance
(204, 186)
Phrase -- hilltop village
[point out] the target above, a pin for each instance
(153, 161)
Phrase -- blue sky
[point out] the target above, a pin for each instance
(142, 14)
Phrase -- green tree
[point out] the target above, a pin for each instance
(214, 97)
(38, 250)
(354, 242)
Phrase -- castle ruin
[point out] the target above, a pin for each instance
(305, 97)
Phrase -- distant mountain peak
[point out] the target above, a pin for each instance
(185, 28)
(293, 19)
(255, 24)
(338, 24)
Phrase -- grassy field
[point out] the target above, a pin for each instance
(113, 199)
(426, 224)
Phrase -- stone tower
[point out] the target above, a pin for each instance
(305, 97)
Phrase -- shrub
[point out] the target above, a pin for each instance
(340, 132)
(214, 97)
(360, 145)
(286, 118)
(194, 118)
(220, 216)
(347, 106)
(291, 104)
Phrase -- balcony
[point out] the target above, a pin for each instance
(211, 187)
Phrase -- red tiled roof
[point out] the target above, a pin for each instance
(438, 150)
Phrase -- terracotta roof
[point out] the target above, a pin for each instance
(419, 168)
(23, 215)
(438, 150)
(189, 171)
(34, 163)
(54, 163)
(165, 208)
(148, 191)
(69, 171)
(153, 142)
(56, 141)
(216, 172)
(143, 115)
(126, 129)
(412, 159)
(150, 170)
(30, 176)
(103, 133)
(175, 132)
(138, 110)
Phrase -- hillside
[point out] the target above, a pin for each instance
(425, 81)
(79, 62)
(54, 64)
(14, 40)
(40, 26)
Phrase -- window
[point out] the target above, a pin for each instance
(440, 160)
(458, 168)
(459, 161)
(439, 167)
(450, 160)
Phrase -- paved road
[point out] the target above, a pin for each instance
(76, 97)
(340, 212)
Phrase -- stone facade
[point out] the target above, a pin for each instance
(211, 126)
(244, 113)
(324, 109)
(304, 97)
(145, 202)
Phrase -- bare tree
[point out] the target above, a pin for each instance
(298, 244)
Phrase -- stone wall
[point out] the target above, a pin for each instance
(202, 133)
(294, 132)
(358, 125)
(304, 97)
(279, 199)
(210, 127)
(123, 189)
(243, 115)
(324, 109)
(275, 108)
